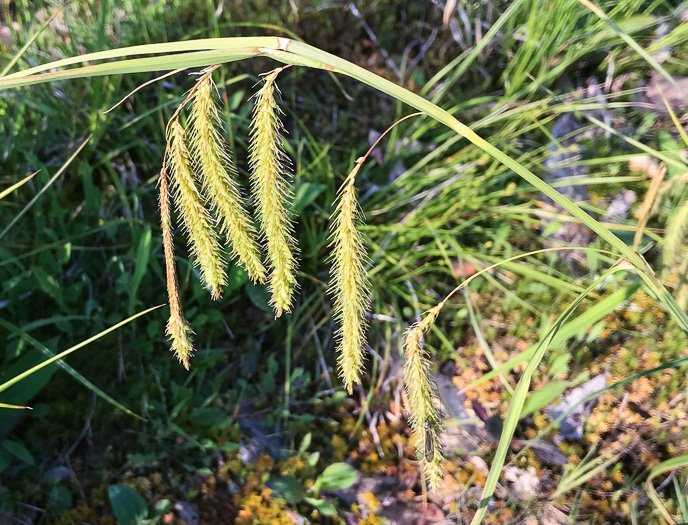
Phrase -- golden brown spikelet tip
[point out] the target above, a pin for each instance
(424, 412)
(270, 181)
(349, 284)
(177, 329)
(203, 239)
(218, 175)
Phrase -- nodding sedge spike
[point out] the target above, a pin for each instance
(270, 181)
(218, 175)
(424, 412)
(349, 284)
(177, 329)
(203, 239)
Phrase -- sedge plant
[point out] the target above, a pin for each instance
(201, 181)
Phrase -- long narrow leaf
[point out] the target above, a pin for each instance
(30, 41)
(15, 407)
(203, 44)
(133, 65)
(4, 193)
(59, 172)
(664, 466)
(521, 392)
(76, 375)
(74, 348)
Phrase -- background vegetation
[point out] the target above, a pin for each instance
(259, 429)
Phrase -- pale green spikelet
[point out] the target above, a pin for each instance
(218, 175)
(349, 284)
(424, 412)
(203, 239)
(270, 173)
(178, 329)
(675, 232)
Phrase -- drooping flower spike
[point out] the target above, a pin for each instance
(218, 175)
(204, 244)
(270, 176)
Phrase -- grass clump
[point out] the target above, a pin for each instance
(459, 201)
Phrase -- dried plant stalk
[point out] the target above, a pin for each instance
(178, 329)
(203, 239)
(675, 232)
(270, 173)
(350, 284)
(218, 175)
(423, 402)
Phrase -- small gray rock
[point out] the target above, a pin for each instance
(187, 512)
(572, 425)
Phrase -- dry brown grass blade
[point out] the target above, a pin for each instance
(152, 81)
(448, 10)
(656, 172)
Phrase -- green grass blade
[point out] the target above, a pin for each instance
(142, 257)
(15, 407)
(44, 188)
(633, 44)
(682, 499)
(673, 161)
(133, 65)
(673, 116)
(204, 44)
(589, 471)
(30, 41)
(521, 393)
(664, 466)
(76, 375)
(74, 348)
(4, 193)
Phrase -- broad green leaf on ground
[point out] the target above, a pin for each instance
(336, 477)
(127, 504)
(288, 488)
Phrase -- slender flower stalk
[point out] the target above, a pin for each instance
(270, 179)
(203, 239)
(424, 411)
(218, 175)
(178, 330)
(350, 284)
